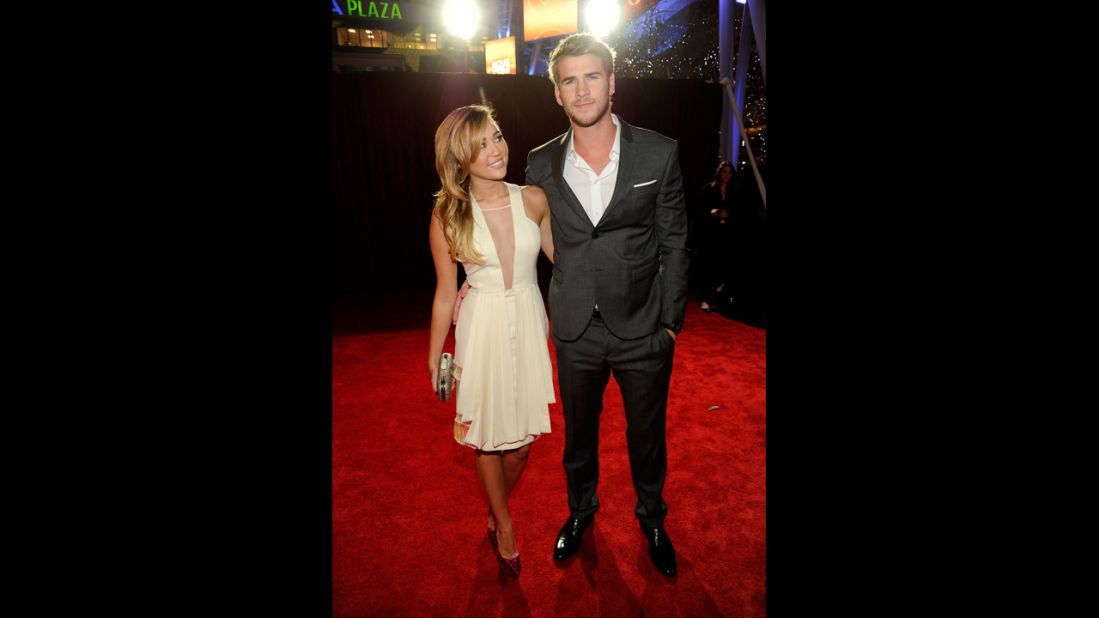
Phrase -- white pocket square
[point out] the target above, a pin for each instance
(645, 184)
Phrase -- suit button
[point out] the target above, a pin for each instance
(595, 234)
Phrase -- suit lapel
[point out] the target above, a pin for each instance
(559, 177)
(627, 156)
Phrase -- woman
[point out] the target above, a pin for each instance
(501, 356)
(715, 237)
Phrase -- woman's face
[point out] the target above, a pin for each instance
(492, 162)
(726, 173)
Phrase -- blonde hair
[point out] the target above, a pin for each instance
(457, 146)
(577, 45)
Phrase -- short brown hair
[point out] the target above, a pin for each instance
(577, 45)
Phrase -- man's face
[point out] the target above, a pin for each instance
(583, 89)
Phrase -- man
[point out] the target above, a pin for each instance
(619, 285)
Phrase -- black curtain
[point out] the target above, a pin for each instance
(383, 161)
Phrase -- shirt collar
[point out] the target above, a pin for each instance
(570, 153)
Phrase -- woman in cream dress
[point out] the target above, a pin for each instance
(501, 355)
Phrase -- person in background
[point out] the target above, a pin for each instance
(714, 237)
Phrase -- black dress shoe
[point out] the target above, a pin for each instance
(568, 539)
(660, 549)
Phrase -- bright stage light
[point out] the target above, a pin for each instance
(462, 17)
(602, 16)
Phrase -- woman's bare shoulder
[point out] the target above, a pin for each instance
(535, 196)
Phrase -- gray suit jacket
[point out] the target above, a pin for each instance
(634, 262)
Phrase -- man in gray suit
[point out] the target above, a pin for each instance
(619, 285)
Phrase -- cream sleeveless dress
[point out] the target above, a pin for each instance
(501, 342)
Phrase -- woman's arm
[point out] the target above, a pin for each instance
(446, 284)
(537, 206)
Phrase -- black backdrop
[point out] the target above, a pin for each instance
(383, 169)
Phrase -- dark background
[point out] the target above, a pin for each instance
(383, 159)
(227, 376)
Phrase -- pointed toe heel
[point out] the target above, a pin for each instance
(512, 563)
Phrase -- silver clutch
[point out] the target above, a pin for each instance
(445, 386)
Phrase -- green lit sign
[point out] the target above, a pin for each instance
(376, 10)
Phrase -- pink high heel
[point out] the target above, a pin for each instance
(513, 563)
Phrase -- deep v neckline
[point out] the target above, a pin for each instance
(492, 239)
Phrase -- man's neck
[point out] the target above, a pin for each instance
(598, 138)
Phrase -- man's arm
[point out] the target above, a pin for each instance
(671, 235)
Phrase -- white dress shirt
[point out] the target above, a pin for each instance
(593, 190)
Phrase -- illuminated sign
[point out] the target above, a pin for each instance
(632, 8)
(375, 10)
(546, 18)
(500, 56)
(397, 16)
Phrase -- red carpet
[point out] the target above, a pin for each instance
(408, 514)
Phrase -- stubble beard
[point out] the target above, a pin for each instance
(595, 118)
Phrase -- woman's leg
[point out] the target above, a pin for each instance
(490, 469)
(514, 462)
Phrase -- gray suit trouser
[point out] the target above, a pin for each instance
(643, 369)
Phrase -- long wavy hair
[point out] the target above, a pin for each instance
(457, 146)
(717, 174)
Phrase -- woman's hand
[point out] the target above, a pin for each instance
(458, 303)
